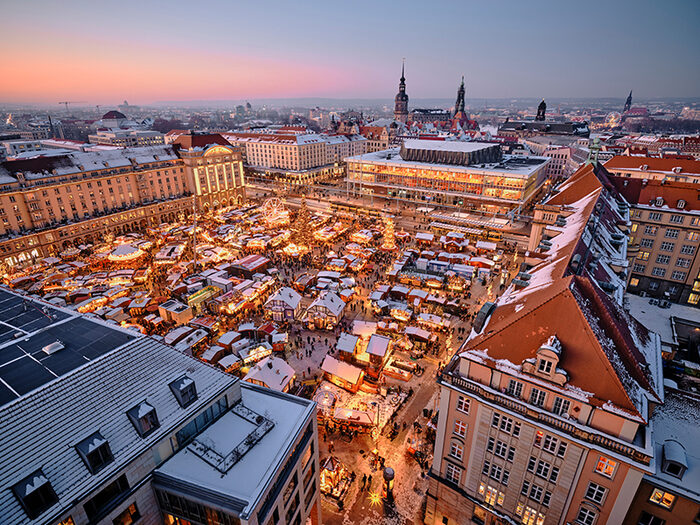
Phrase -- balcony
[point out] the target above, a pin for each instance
(497, 398)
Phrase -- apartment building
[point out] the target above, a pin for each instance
(296, 157)
(378, 137)
(467, 175)
(664, 238)
(48, 203)
(131, 430)
(545, 412)
(127, 138)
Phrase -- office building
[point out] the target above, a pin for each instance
(103, 425)
(126, 138)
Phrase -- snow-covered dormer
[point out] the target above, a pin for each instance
(546, 362)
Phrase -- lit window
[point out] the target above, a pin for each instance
(463, 404)
(606, 466)
(634, 281)
(453, 473)
(130, 515)
(460, 427)
(662, 498)
(456, 450)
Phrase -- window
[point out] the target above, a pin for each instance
(35, 494)
(547, 499)
(490, 444)
(460, 427)
(554, 476)
(537, 396)
(536, 492)
(674, 469)
(672, 233)
(606, 467)
(543, 469)
(496, 472)
(649, 519)
(676, 219)
(662, 498)
(667, 246)
(525, 488)
(486, 469)
(658, 272)
(184, 391)
(545, 366)
(595, 492)
(663, 259)
(650, 230)
(129, 516)
(530, 516)
(638, 268)
(653, 285)
(515, 388)
(550, 444)
(456, 450)
(561, 406)
(646, 243)
(104, 499)
(463, 404)
(654, 216)
(642, 255)
(492, 495)
(511, 454)
(501, 449)
(95, 452)
(562, 450)
(531, 464)
(683, 263)
(143, 417)
(586, 516)
(687, 249)
(453, 473)
(679, 276)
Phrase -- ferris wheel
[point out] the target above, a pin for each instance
(273, 207)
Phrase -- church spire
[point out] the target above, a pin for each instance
(403, 65)
(459, 104)
(401, 99)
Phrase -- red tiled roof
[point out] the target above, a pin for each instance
(641, 191)
(188, 141)
(624, 162)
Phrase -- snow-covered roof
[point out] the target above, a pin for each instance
(341, 369)
(251, 477)
(273, 372)
(96, 397)
(378, 345)
(287, 295)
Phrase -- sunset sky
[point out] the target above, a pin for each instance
(149, 51)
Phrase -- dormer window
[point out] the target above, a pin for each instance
(681, 204)
(95, 452)
(544, 366)
(184, 391)
(675, 460)
(143, 417)
(659, 201)
(35, 494)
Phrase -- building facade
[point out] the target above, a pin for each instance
(48, 203)
(664, 238)
(447, 173)
(655, 168)
(127, 138)
(544, 413)
(174, 440)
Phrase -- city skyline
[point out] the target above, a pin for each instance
(147, 54)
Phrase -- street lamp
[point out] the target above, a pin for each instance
(388, 490)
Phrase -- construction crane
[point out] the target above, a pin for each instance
(71, 102)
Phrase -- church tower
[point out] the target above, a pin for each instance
(541, 111)
(459, 104)
(401, 100)
(628, 103)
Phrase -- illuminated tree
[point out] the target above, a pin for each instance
(302, 233)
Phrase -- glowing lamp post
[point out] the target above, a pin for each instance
(388, 490)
